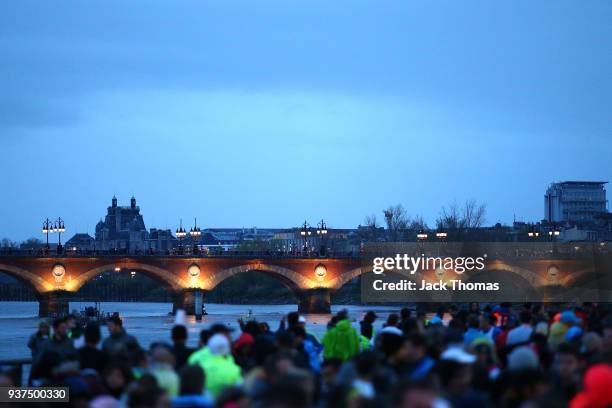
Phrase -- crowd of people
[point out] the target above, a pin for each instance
(505, 355)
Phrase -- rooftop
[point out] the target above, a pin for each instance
(583, 182)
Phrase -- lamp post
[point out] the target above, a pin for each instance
(441, 235)
(554, 233)
(422, 235)
(46, 229)
(533, 233)
(59, 227)
(195, 233)
(180, 234)
(322, 233)
(305, 232)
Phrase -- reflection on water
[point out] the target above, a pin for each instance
(150, 322)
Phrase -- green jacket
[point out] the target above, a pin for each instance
(220, 371)
(341, 341)
(364, 343)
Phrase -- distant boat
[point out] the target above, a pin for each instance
(91, 314)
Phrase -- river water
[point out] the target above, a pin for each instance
(150, 322)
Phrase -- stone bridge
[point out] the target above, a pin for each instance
(312, 280)
(54, 279)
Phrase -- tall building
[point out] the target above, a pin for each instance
(123, 228)
(575, 202)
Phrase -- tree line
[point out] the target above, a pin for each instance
(400, 226)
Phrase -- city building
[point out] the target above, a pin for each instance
(122, 229)
(575, 202)
(160, 240)
(80, 242)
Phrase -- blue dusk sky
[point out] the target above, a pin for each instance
(266, 113)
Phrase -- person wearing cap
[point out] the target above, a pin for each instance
(574, 334)
(368, 321)
(312, 338)
(219, 366)
(435, 321)
(365, 337)
(559, 329)
(455, 371)
(396, 349)
(241, 350)
(569, 318)
(201, 355)
(37, 340)
(486, 357)
(119, 344)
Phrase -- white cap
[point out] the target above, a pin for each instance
(218, 345)
(392, 330)
(301, 319)
(458, 355)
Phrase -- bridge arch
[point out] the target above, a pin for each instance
(168, 279)
(348, 276)
(583, 276)
(513, 286)
(288, 277)
(28, 278)
(531, 277)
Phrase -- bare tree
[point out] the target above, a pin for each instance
(471, 215)
(31, 243)
(372, 230)
(7, 243)
(371, 221)
(418, 223)
(396, 220)
(449, 217)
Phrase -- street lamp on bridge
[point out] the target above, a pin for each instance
(422, 235)
(554, 232)
(441, 235)
(180, 234)
(195, 233)
(46, 229)
(59, 227)
(322, 233)
(533, 232)
(305, 232)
